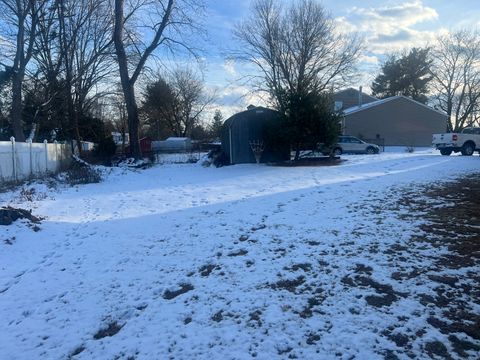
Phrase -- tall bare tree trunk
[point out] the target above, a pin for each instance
(73, 120)
(18, 76)
(25, 16)
(132, 112)
(128, 81)
(127, 84)
(17, 106)
(66, 51)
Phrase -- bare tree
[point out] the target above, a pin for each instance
(300, 56)
(297, 50)
(166, 21)
(176, 104)
(21, 20)
(456, 73)
(73, 52)
(190, 100)
(85, 50)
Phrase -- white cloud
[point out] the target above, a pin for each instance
(366, 59)
(391, 27)
(233, 99)
(229, 67)
(403, 15)
(344, 26)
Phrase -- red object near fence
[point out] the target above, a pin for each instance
(145, 147)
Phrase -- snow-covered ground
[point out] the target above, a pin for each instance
(248, 261)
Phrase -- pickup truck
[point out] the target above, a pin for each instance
(466, 142)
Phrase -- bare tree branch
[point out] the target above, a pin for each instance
(297, 50)
(456, 73)
(168, 20)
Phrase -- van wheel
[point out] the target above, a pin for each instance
(468, 149)
(337, 151)
(446, 152)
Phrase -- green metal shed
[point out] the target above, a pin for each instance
(240, 130)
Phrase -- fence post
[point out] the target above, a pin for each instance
(14, 158)
(46, 155)
(56, 156)
(29, 141)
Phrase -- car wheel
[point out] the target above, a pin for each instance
(337, 151)
(468, 149)
(446, 152)
(371, 150)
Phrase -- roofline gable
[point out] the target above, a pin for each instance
(351, 88)
(355, 109)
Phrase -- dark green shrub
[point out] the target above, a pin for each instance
(106, 148)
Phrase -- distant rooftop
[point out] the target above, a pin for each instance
(370, 105)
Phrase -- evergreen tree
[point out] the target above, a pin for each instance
(309, 120)
(216, 127)
(407, 75)
(158, 108)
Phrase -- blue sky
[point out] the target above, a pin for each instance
(386, 25)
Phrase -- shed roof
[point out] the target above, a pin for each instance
(373, 104)
(174, 138)
(247, 113)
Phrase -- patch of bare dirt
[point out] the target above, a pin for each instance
(184, 288)
(9, 214)
(306, 267)
(240, 252)
(206, 270)
(289, 285)
(386, 295)
(255, 319)
(112, 329)
(312, 302)
(452, 214)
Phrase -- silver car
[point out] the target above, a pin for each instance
(353, 145)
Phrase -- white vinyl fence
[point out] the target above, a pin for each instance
(19, 161)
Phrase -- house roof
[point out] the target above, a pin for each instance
(373, 104)
(356, 91)
(174, 138)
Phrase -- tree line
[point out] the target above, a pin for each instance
(68, 63)
(445, 75)
(303, 59)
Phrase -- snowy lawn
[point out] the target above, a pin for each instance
(240, 262)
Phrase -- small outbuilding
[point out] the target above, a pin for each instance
(173, 144)
(145, 146)
(399, 120)
(244, 132)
